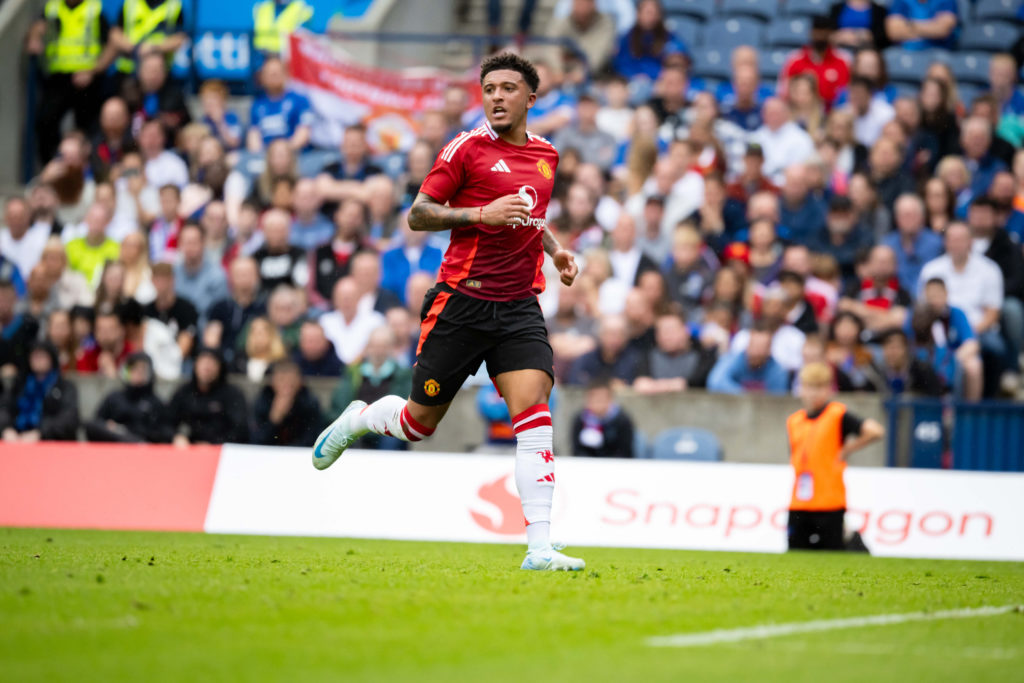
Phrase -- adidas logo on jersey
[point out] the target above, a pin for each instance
(501, 167)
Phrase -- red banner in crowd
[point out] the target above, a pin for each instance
(344, 92)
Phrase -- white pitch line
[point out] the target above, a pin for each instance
(734, 635)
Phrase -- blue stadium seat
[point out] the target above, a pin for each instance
(910, 66)
(727, 33)
(772, 62)
(988, 36)
(805, 8)
(968, 91)
(907, 90)
(763, 10)
(712, 63)
(687, 443)
(970, 67)
(640, 449)
(687, 30)
(996, 10)
(699, 9)
(788, 32)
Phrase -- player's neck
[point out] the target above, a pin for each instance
(517, 136)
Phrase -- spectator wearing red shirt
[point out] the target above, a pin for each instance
(820, 59)
(112, 346)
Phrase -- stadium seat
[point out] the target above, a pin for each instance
(772, 62)
(805, 8)
(788, 32)
(686, 443)
(968, 91)
(699, 9)
(988, 36)
(762, 10)
(910, 66)
(640, 449)
(996, 10)
(687, 30)
(970, 67)
(908, 90)
(711, 63)
(727, 33)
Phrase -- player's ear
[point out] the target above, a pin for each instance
(531, 100)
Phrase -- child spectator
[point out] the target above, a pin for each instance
(602, 429)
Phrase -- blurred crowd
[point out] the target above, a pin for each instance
(728, 233)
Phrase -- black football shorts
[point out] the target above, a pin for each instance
(810, 530)
(458, 332)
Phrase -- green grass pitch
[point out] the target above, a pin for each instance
(115, 606)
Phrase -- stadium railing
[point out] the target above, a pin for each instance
(934, 433)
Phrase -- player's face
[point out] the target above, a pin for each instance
(506, 98)
(814, 396)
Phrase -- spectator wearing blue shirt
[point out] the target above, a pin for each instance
(9, 273)
(944, 337)
(415, 254)
(923, 24)
(843, 238)
(643, 48)
(553, 109)
(1002, 81)
(859, 24)
(197, 278)
(223, 123)
(750, 371)
(740, 98)
(976, 138)
(277, 113)
(310, 228)
(800, 211)
(913, 242)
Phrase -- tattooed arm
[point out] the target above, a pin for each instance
(427, 214)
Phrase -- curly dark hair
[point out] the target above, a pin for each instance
(512, 62)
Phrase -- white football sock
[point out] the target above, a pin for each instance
(389, 416)
(535, 472)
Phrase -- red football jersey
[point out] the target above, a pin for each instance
(498, 263)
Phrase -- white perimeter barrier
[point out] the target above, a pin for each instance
(618, 503)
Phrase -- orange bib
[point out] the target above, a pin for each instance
(815, 446)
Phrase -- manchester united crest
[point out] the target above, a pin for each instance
(545, 169)
(431, 387)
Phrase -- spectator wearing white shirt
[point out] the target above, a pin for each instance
(627, 260)
(20, 240)
(782, 140)
(787, 341)
(870, 112)
(349, 325)
(162, 166)
(687, 193)
(975, 286)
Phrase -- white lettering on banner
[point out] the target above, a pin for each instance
(623, 503)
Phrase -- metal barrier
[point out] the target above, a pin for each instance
(933, 433)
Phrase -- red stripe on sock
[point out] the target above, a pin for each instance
(408, 423)
(408, 434)
(531, 417)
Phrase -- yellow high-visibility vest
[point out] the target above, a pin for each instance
(270, 28)
(75, 45)
(144, 24)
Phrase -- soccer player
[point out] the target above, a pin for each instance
(490, 187)
(822, 436)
